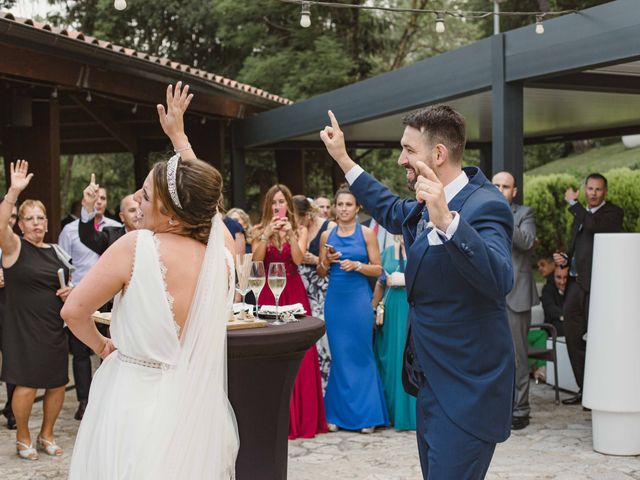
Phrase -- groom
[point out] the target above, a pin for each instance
(459, 358)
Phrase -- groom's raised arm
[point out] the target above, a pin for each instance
(387, 208)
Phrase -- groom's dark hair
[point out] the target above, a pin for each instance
(440, 124)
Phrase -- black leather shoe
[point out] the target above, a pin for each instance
(576, 400)
(81, 408)
(11, 422)
(518, 423)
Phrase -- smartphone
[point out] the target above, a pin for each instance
(331, 248)
(279, 213)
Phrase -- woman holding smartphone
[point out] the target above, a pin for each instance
(279, 238)
(349, 254)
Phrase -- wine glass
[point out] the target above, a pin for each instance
(277, 281)
(256, 280)
(242, 269)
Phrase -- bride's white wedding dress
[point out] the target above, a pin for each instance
(158, 406)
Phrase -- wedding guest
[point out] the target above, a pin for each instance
(309, 216)
(35, 349)
(83, 259)
(99, 240)
(7, 412)
(324, 205)
(238, 233)
(278, 238)
(354, 397)
(243, 219)
(390, 336)
(74, 214)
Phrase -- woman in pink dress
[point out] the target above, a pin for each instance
(279, 239)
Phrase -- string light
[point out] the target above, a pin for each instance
(440, 24)
(54, 92)
(203, 120)
(120, 4)
(88, 98)
(305, 15)
(134, 109)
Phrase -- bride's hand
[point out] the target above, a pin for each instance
(109, 347)
(172, 119)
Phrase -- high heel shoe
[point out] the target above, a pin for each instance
(540, 375)
(27, 452)
(49, 446)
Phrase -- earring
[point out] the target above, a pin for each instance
(171, 222)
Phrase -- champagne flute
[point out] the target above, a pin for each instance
(242, 269)
(277, 281)
(256, 280)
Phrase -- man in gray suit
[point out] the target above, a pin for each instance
(522, 297)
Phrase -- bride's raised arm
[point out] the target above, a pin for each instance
(172, 119)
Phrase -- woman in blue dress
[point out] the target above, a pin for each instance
(391, 335)
(349, 253)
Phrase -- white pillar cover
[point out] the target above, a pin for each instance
(612, 372)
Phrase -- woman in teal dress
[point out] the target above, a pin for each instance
(391, 335)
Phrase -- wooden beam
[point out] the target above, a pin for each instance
(73, 75)
(40, 146)
(103, 117)
(290, 169)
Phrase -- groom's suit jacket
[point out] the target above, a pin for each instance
(458, 337)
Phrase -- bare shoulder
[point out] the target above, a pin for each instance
(367, 232)
(229, 242)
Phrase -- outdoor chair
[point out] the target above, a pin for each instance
(548, 354)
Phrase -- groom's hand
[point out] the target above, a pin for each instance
(333, 139)
(429, 190)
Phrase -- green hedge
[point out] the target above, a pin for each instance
(553, 220)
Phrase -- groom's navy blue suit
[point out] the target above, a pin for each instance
(459, 356)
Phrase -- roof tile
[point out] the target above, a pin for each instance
(150, 58)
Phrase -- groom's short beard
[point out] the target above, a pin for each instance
(411, 184)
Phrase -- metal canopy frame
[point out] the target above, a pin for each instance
(506, 77)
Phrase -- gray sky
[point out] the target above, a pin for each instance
(32, 8)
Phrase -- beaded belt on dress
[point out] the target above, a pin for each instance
(144, 363)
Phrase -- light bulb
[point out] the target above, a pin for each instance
(539, 26)
(440, 25)
(305, 15)
(134, 109)
(120, 4)
(88, 97)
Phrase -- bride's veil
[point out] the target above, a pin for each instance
(196, 436)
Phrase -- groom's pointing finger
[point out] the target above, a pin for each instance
(334, 122)
(426, 172)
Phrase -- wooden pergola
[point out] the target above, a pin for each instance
(62, 92)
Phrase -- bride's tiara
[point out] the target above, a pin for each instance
(172, 169)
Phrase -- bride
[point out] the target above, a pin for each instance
(158, 407)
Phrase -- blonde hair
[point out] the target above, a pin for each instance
(31, 203)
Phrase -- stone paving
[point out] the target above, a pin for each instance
(557, 445)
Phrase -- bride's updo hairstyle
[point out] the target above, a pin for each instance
(199, 189)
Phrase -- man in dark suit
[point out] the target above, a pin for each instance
(553, 298)
(522, 296)
(599, 217)
(99, 240)
(459, 356)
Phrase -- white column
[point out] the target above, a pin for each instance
(612, 367)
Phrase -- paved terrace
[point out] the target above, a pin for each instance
(557, 445)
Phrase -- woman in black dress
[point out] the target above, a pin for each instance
(35, 351)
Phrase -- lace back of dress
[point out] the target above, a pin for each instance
(197, 435)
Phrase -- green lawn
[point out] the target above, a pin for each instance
(600, 159)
